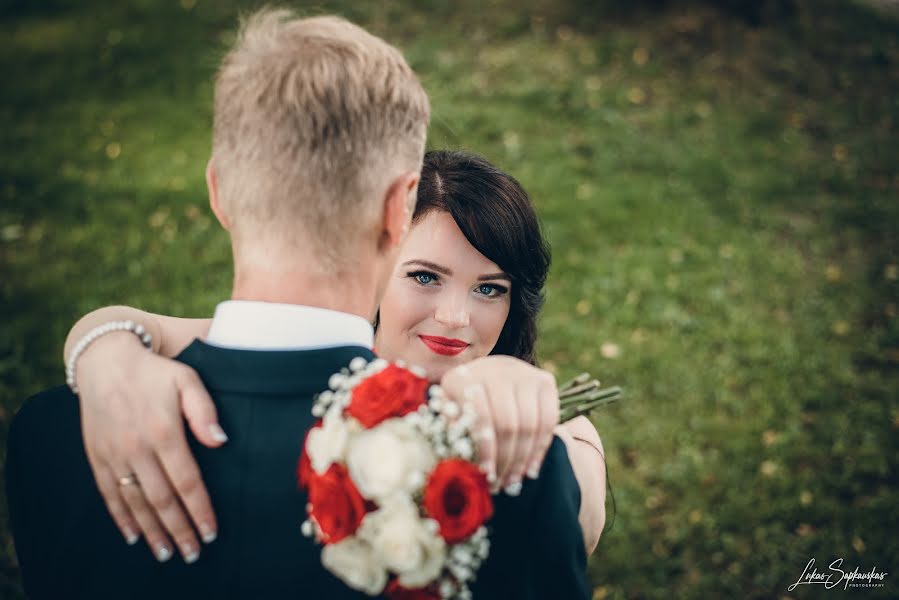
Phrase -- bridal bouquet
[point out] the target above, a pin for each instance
(394, 496)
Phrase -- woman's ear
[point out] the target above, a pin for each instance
(399, 206)
(212, 185)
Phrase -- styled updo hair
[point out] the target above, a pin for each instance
(496, 216)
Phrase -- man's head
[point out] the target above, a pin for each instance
(319, 133)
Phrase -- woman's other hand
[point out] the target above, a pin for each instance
(518, 407)
(133, 406)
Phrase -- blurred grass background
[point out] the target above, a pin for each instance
(719, 184)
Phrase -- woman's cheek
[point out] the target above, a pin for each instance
(490, 325)
(413, 307)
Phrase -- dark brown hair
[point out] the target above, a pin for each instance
(496, 216)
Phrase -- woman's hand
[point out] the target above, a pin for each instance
(517, 406)
(133, 403)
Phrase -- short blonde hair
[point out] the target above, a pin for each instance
(313, 119)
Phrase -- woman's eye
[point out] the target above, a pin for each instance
(423, 277)
(491, 290)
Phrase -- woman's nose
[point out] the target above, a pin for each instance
(453, 314)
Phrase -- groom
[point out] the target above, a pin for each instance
(319, 131)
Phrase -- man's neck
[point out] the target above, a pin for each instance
(354, 293)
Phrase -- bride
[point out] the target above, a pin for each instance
(466, 290)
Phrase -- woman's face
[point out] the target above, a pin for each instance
(446, 303)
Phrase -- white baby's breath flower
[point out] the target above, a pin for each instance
(377, 365)
(307, 529)
(463, 448)
(447, 589)
(354, 562)
(451, 409)
(335, 381)
(461, 554)
(382, 459)
(403, 543)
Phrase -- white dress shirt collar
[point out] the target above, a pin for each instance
(246, 325)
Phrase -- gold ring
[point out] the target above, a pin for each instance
(128, 480)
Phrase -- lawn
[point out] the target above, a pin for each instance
(722, 200)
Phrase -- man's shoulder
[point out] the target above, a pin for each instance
(41, 411)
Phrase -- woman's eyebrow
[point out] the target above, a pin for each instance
(495, 276)
(429, 265)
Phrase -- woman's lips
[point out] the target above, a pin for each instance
(444, 346)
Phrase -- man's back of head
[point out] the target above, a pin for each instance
(313, 120)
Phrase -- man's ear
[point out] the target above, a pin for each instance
(398, 209)
(212, 185)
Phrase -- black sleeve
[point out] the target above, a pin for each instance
(38, 448)
(560, 565)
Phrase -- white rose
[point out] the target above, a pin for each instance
(354, 562)
(389, 458)
(403, 543)
(327, 444)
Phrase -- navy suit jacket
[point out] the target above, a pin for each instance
(68, 546)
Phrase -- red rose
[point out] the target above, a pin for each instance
(394, 591)
(458, 498)
(304, 465)
(393, 392)
(337, 506)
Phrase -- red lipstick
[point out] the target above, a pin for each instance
(444, 346)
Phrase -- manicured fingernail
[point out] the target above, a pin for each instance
(208, 533)
(130, 537)
(514, 488)
(190, 553)
(534, 471)
(163, 553)
(217, 433)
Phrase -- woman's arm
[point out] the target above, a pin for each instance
(134, 404)
(170, 334)
(587, 458)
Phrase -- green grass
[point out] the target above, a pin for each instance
(721, 201)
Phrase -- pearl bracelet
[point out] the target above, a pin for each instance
(135, 328)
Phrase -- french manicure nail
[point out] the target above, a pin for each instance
(217, 433)
(190, 554)
(163, 553)
(514, 488)
(534, 471)
(207, 533)
(131, 537)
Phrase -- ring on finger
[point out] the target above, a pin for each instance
(130, 479)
